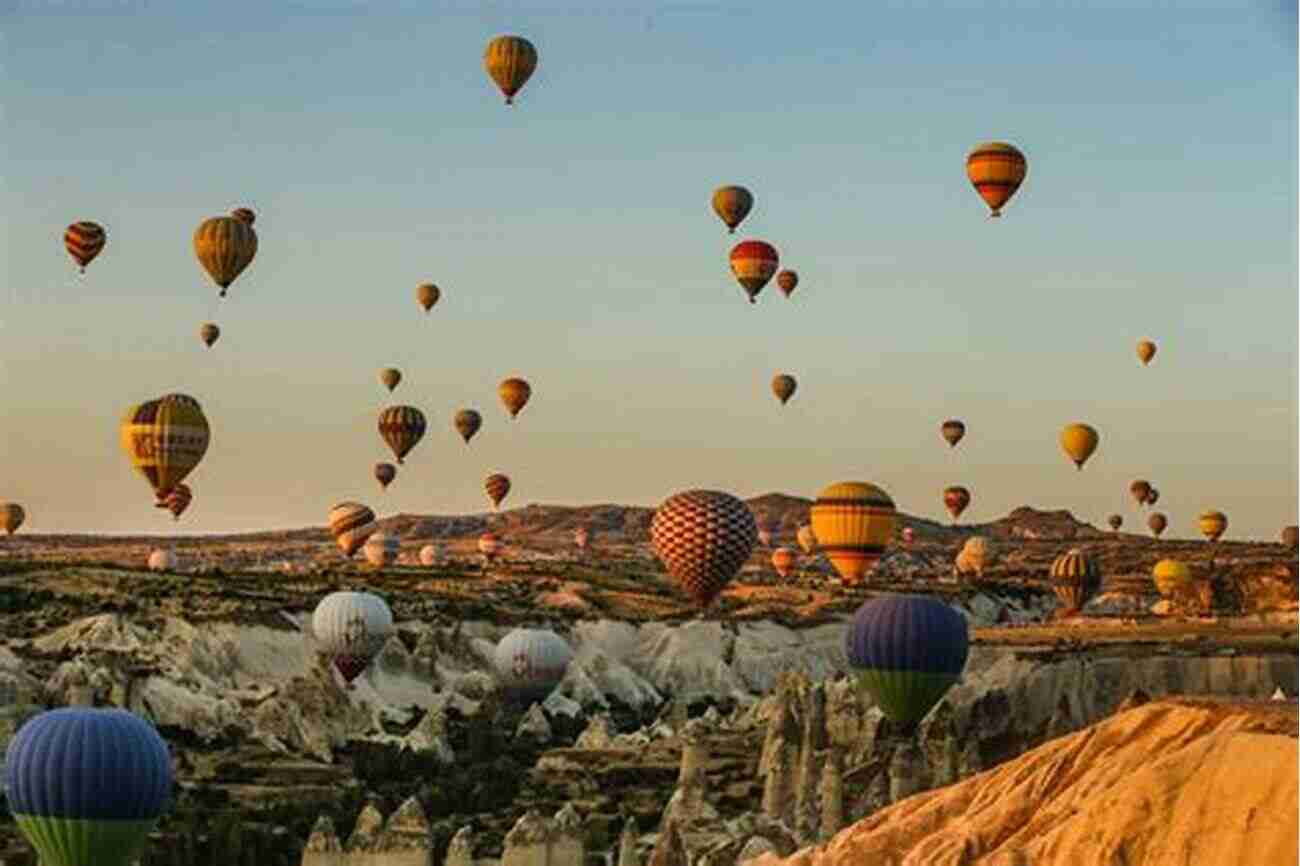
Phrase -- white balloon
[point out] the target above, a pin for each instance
(382, 548)
(531, 662)
(352, 627)
(162, 560)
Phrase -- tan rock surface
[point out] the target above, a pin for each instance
(1169, 783)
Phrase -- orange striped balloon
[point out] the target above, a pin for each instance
(224, 246)
(497, 487)
(754, 263)
(402, 427)
(510, 62)
(83, 241)
(996, 169)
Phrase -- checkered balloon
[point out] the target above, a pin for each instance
(703, 538)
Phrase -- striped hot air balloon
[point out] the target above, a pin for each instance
(1212, 524)
(84, 240)
(177, 500)
(854, 523)
(514, 393)
(12, 516)
(1170, 576)
(426, 295)
(953, 431)
(784, 386)
(165, 439)
(787, 281)
(784, 561)
(530, 663)
(351, 523)
(87, 786)
(1157, 523)
(510, 62)
(955, 499)
(208, 333)
(351, 628)
(467, 422)
(245, 215)
(384, 474)
(996, 170)
(703, 537)
(381, 549)
(732, 204)
(753, 263)
(402, 427)
(224, 246)
(908, 650)
(497, 487)
(1075, 578)
(490, 546)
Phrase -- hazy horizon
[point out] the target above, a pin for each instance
(573, 241)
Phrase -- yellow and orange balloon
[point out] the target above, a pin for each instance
(510, 61)
(854, 523)
(996, 170)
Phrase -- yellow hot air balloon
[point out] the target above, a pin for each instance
(426, 295)
(12, 516)
(165, 439)
(784, 386)
(1079, 441)
(996, 169)
(732, 204)
(1212, 524)
(510, 62)
(854, 523)
(208, 333)
(1146, 351)
(514, 393)
(1171, 575)
(224, 246)
(389, 377)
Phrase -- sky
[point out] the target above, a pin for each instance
(573, 241)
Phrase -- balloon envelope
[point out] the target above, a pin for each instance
(1079, 441)
(787, 281)
(510, 62)
(1115, 521)
(351, 523)
(1076, 578)
(426, 295)
(381, 549)
(165, 439)
(402, 427)
(784, 386)
(530, 663)
(854, 523)
(514, 393)
(208, 333)
(161, 560)
(1140, 490)
(732, 204)
(953, 431)
(703, 537)
(1212, 524)
(351, 628)
(83, 241)
(955, 499)
(1146, 351)
(467, 422)
(1171, 575)
(784, 560)
(87, 785)
(390, 377)
(754, 263)
(430, 554)
(996, 170)
(384, 474)
(12, 516)
(497, 487)
(908, 651)
(1157, 523)
(224, 246)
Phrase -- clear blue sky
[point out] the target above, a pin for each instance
(574, 243)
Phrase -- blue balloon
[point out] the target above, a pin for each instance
(909, 650)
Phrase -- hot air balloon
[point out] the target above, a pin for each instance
(783, 560)
(807, 538)
(402, 427)
(1076, 578)
(955, 499)
(514, 394)
(703, 538)
(908, 536)
(351, 523)
(84, 240)
(426, 295)
(1115, 522)
(908, 650)
(510, 61)
(161, 560)
(390, 377)
(208, 333)
(854, 523)
(381, 549)
(1153, 497)
(467, 422)
(86, 786)
(732, 204)
(953, 431)
(490, 546)
(1212, 524)
(581, 537)
(972, 557)
(1140, 491)
(177, 501)
(351, 628)
(165, 439)
(224, 246)
(1157, 523)
(429, 555)
(1290, 536)
(384, 474)
(530, 663)
(245, 215)
(996, 169)
(1146, 351)
(1170, 576)
(783, 386)
(12, 516)
(497, 487)
(787, 281)
(1079, 441)
(753, 263)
